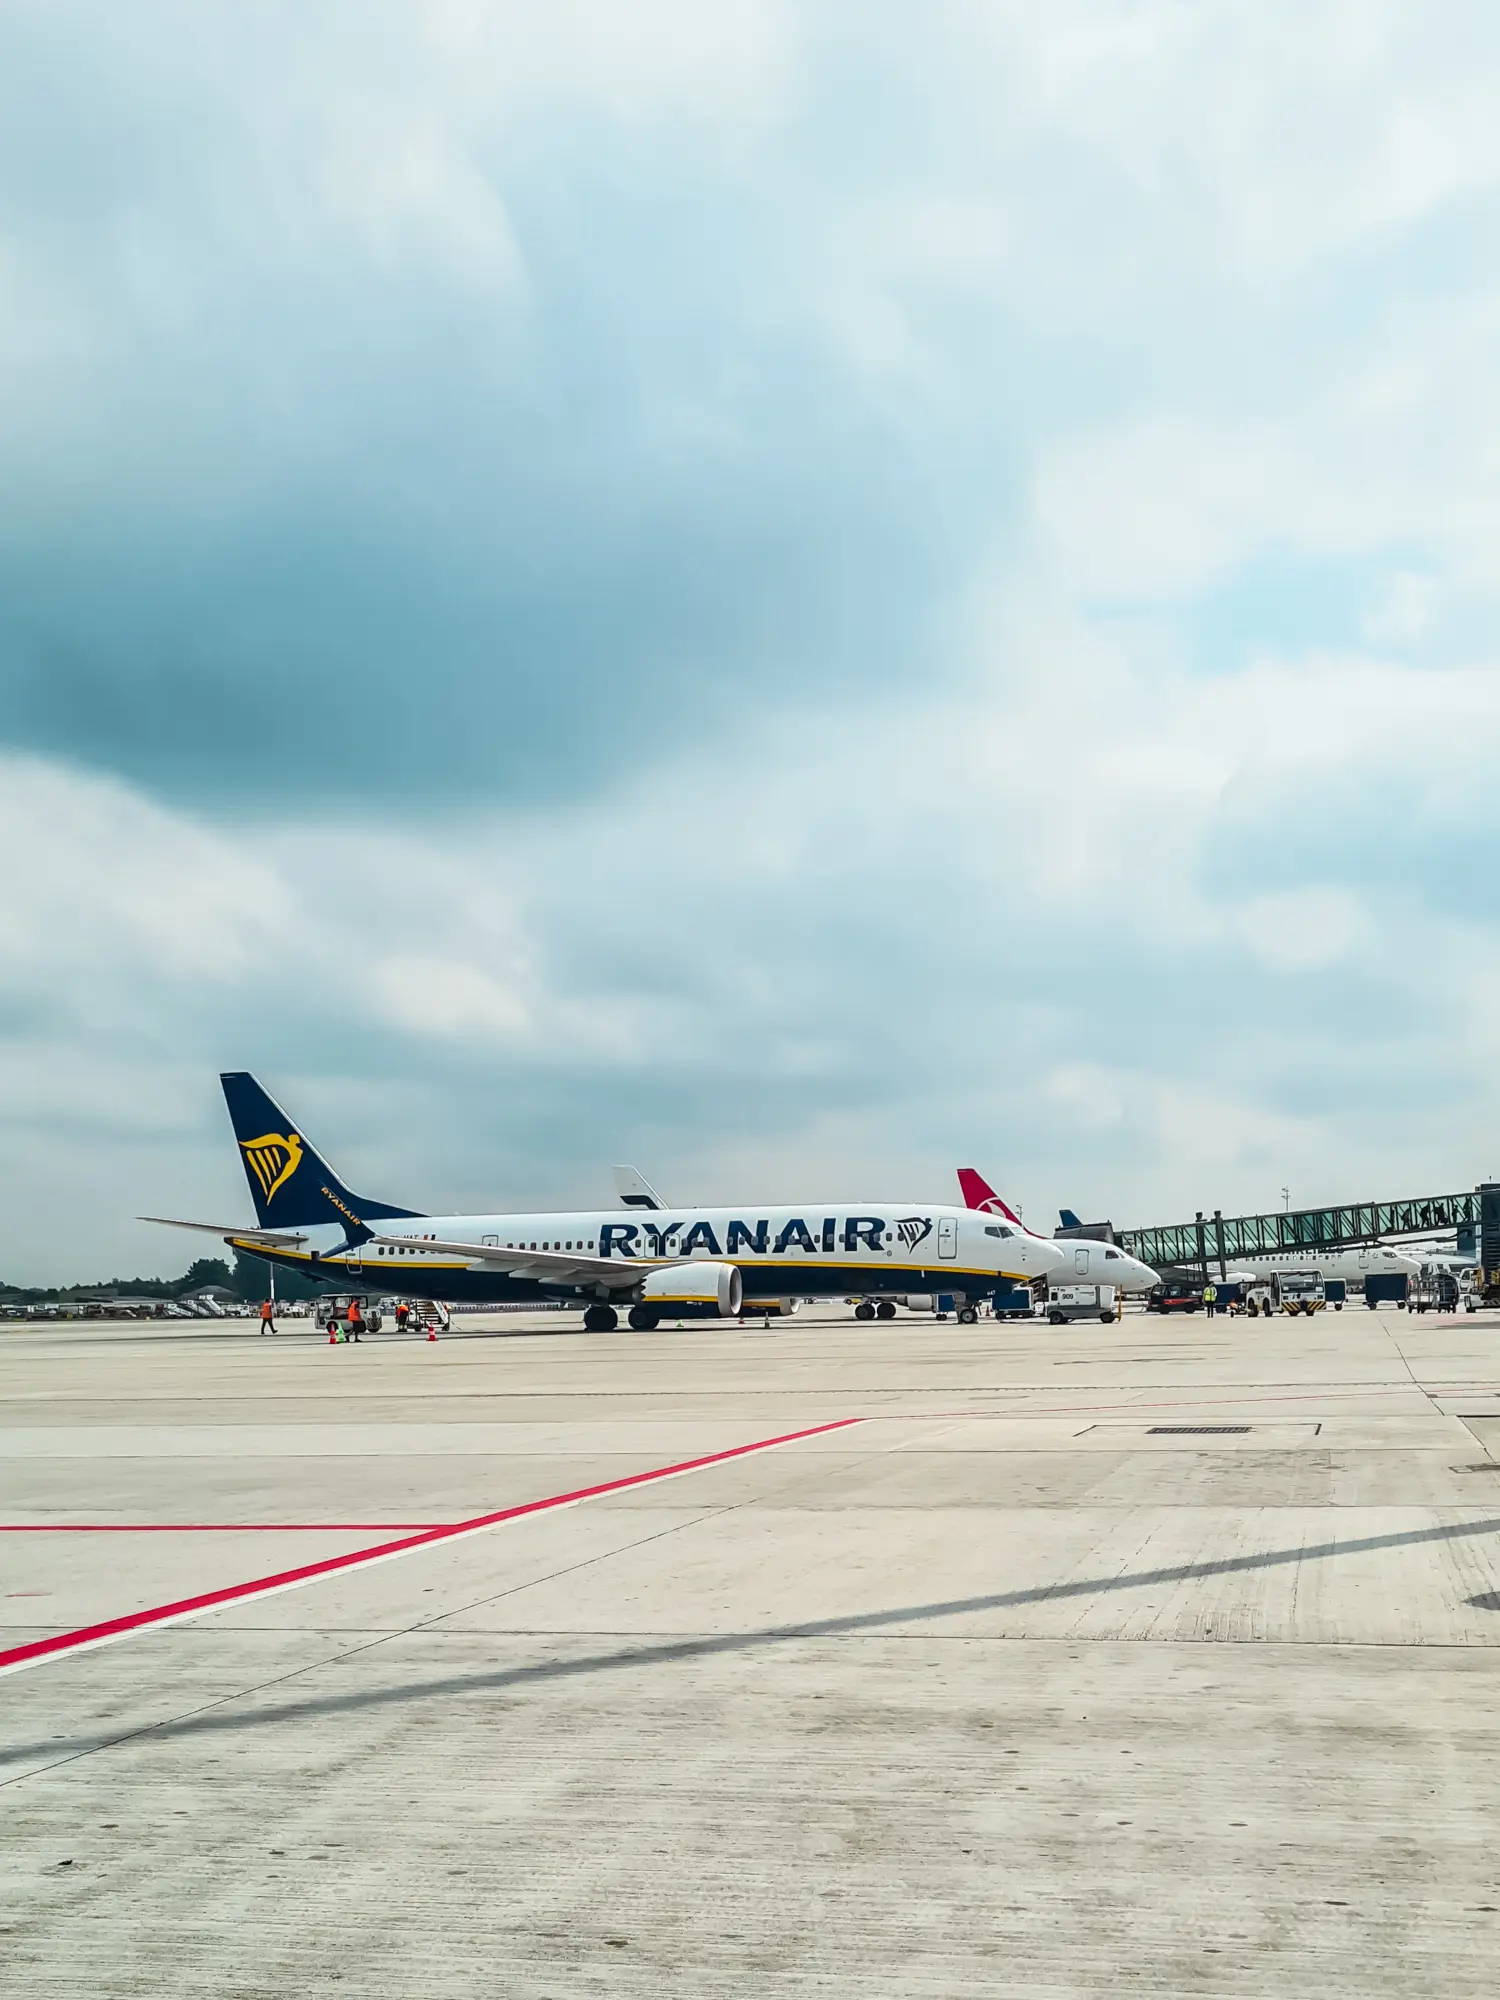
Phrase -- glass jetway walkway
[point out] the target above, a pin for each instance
(1213, 1238)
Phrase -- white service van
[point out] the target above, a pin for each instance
(1070, 1302)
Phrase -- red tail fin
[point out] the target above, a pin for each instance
(977, 1193)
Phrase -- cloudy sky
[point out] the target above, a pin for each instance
(797, 594)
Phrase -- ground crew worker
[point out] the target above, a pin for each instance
(356, 1320)
(1210, 1297)
(403, 1314)
(267, 1316)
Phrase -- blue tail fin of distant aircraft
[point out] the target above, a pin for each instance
(290, 1184)
(1069, 1219)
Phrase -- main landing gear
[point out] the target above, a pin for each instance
(644, 1319)
(601, 1319)
(864, 1310)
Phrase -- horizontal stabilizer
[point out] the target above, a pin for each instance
(273, 1239)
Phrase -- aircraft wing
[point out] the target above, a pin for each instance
(272, 1239)
(555, 1267)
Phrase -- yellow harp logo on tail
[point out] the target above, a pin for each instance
(273, 1159)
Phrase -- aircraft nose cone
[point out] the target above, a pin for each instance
(1052, 1257)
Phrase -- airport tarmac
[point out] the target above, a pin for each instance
(829, 1658)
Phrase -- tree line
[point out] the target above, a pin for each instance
(247, 1278)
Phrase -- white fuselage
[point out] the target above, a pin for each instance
(1353, 1265)
(816, 1249)
(1088, 1261)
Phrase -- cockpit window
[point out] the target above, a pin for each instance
(997, 1229)
(1113, 1253)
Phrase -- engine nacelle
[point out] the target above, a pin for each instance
(700, 1283)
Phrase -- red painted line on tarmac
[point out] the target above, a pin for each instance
(219, 1527)
(265, 1586)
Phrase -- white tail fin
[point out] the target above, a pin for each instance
(635, 1191)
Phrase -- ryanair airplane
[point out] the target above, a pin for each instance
(706, 1262)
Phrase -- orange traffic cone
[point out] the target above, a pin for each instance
(333, 1340)
(430, 1334)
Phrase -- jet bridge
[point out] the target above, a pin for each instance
(1220, 1238)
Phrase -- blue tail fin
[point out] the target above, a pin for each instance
(1069, 1219)
(290, 1184)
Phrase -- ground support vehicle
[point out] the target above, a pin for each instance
(333, 1312)
(1386, 1285)
(1014, 1302)
(1298, 1292)
(1175, 1295)
(1433, 1291)
(423, 1315)
(1075, 1302)
(1335, 1291)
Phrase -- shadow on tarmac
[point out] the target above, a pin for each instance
(675, 1651)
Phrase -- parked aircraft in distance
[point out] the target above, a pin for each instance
(706, 1262)
(1087, 1261)
(1353, 1264)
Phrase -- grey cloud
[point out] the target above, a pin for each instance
(302, 510)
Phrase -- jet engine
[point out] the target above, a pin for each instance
(700, 1283)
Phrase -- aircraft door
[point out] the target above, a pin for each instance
(1081, 1263)
(948, 1236)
